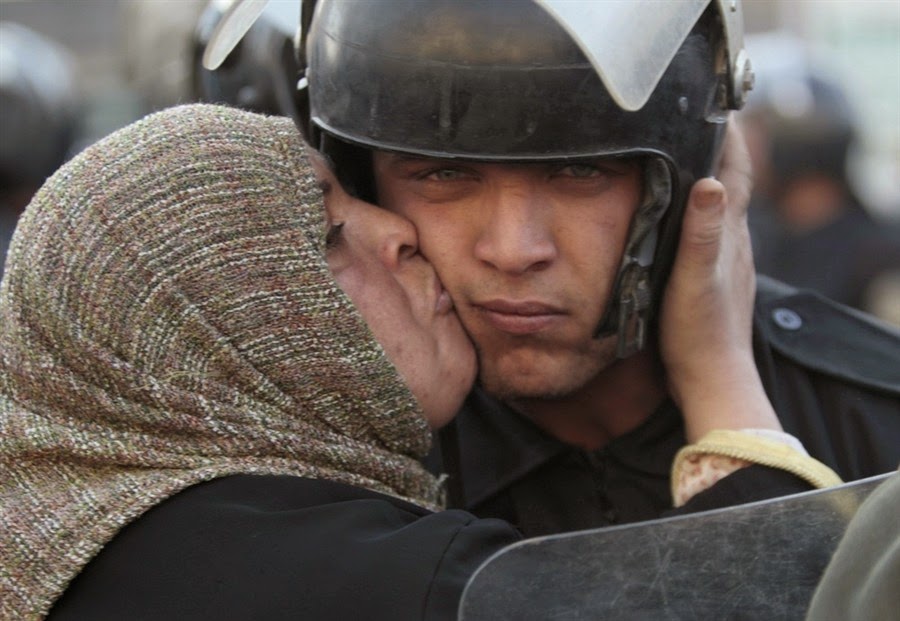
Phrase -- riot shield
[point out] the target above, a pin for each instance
(756, 561)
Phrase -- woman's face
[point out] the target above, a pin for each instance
(374, 255)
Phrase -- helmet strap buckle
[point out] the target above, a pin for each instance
(634, 307)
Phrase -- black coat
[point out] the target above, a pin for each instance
(833, 376)
(279, 547)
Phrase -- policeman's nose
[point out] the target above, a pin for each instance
(516, 236)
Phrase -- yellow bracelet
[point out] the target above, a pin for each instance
(757, 450)
(701, 471)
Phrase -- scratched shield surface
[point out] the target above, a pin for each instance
(755, 561)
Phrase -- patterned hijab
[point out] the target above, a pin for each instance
(167, 317)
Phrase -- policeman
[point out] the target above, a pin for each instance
(547, 153)
(488, 124)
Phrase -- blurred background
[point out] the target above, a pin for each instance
(823, 122)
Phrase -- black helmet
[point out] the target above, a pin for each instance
(531, 80)
(260, 72)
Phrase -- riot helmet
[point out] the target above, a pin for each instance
(531, 81)
(260, 72)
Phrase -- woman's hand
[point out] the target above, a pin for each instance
(706, 318)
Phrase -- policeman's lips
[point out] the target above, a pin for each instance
(518, 317)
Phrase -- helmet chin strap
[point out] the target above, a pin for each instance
(633, 308)
(631, 302)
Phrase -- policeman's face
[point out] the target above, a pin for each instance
(374, 257)
(528, 253)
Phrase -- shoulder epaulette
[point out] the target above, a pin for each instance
(828, 337)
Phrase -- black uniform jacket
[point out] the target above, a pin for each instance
(832, 374)
(279, 547)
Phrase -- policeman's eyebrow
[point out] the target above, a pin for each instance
(409, 158)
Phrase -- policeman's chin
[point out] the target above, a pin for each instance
(541, 375)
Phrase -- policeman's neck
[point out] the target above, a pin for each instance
(616, 401)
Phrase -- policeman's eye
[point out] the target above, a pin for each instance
(580, 170)
(333, 236)
(444, 174)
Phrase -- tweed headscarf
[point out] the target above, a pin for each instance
(168, 317)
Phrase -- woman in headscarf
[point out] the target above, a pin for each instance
(197, 423)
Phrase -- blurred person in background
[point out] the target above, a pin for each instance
(809, 227)
(162, 46)
(860, 582)
(157, 40)
(39, 112)
(260, 73)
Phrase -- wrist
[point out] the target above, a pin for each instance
(733, 398)
(700, 465)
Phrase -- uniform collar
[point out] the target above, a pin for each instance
(499, 446)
